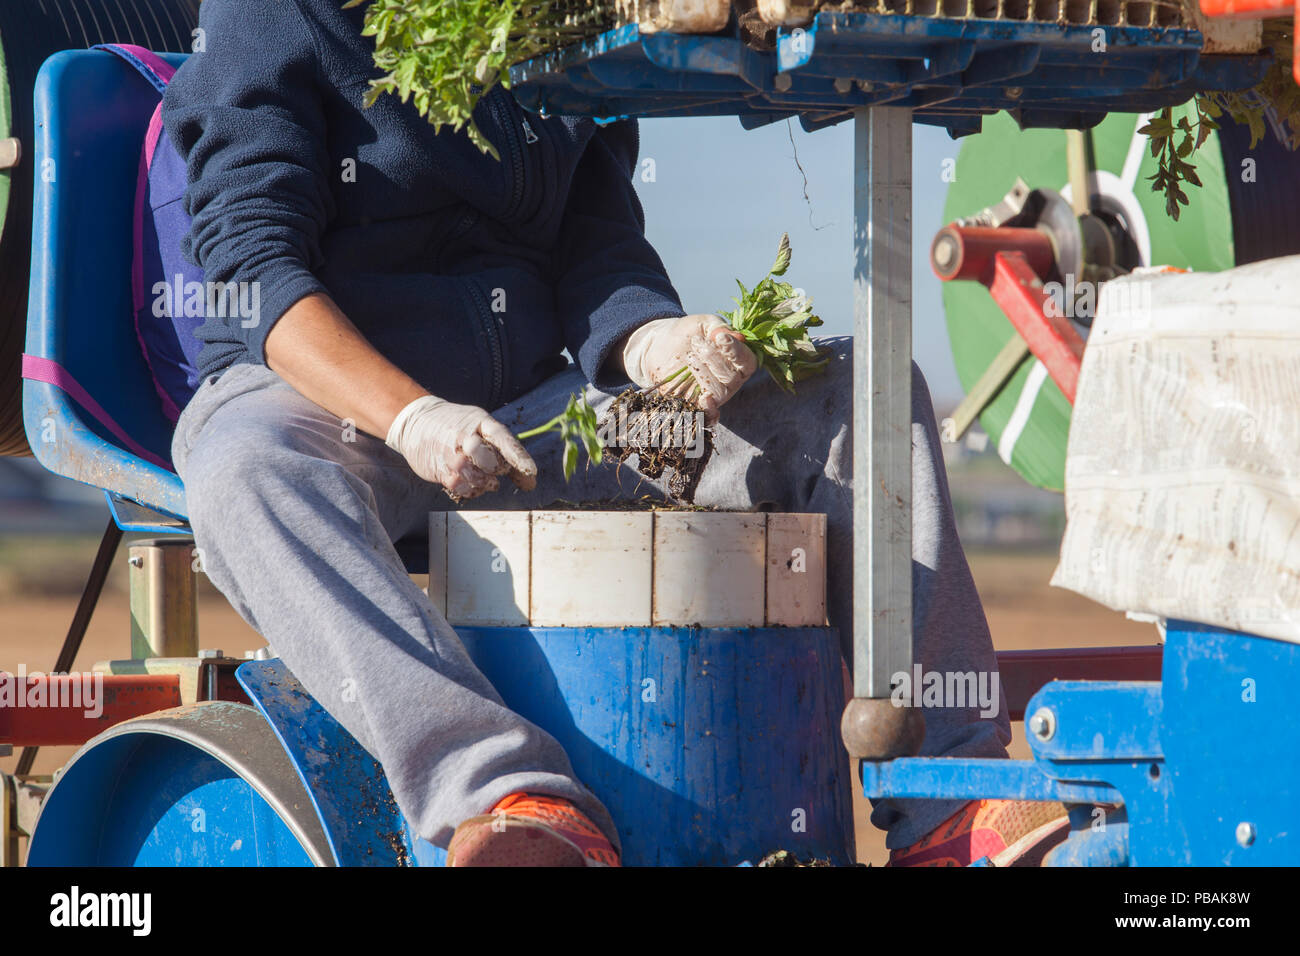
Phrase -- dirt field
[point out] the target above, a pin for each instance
(1022, 610)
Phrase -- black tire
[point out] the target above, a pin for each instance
(1266, 211)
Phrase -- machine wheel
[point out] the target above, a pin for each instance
(1227, 223)
(203, 785)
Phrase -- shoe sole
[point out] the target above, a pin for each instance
(496, 841)
(1030, 849)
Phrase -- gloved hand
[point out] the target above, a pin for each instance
(460, 447)
(717, 356)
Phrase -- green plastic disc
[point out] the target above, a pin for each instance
(1029, 420)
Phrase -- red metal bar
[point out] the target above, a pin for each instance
(967, 252)
(1024, 672)
(1246, 9)
(1018, 289)
(43, 710)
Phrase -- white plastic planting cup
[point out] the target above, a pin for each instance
(709, 568)
(796, 570)
(676, 16)
(592, 568)
(488, 567)
(786, 13)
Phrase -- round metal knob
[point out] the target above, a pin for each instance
(877, 729)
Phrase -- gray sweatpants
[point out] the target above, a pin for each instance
(295, 513)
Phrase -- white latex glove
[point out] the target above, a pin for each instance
(717, 356)
(460, 447)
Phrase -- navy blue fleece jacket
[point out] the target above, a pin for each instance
(470, 274)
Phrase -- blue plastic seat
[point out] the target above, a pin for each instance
(91, 111)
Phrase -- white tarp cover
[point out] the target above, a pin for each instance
(1182, 475)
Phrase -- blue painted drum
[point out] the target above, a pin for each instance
(709, 746)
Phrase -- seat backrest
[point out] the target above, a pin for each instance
(91, 111)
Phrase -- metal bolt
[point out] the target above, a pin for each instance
(210, 655)
(1245, 833)
(263, 653)
(1043, 724)
(135, 561)
(782, 82)
(1013, 92)
(945, 251)
(842, 84)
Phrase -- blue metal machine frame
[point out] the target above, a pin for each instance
(950, 72)
(1200, 761)
(1192, 760)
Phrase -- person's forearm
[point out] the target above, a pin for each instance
(317, 350)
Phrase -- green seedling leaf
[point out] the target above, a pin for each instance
(1171, 153)
(782, 256)
(445, 56)
(775, 320)
(578, 427)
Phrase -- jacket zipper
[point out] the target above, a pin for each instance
(487, 320)
(505, 117)
(492, 333)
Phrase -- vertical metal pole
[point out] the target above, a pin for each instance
(882, 432)
(164, 609)
(882, 387)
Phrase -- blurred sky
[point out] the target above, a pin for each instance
(722, 196)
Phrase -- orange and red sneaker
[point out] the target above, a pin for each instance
(527, 829)
(1008, 832)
